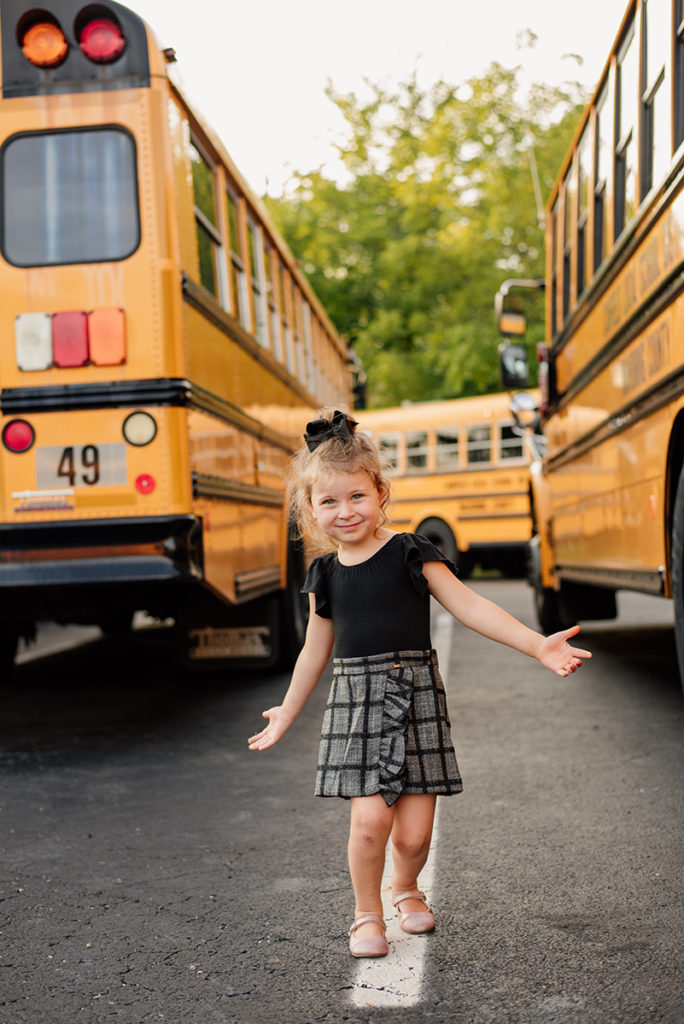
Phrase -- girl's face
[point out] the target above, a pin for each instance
(347, 507)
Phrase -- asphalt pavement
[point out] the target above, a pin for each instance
(153, 869)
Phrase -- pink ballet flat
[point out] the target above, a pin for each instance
(418, 921)
(373, 945)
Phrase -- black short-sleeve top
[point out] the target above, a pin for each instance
(380, 605)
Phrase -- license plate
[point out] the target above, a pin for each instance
(81, 465)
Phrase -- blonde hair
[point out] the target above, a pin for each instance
(353, 454)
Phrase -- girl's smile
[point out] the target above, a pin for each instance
(347, 507)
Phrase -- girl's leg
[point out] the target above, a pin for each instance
(370, 827)
(411, 835)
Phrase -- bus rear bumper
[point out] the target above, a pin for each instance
(112, 551)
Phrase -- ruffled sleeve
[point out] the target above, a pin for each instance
(316, 583)
(417, 551)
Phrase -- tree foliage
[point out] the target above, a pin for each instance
(435, 208)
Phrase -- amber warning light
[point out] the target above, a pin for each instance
(44, 44)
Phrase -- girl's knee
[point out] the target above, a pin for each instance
(411, 844)
(371, 820)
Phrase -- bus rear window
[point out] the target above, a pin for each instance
(69, 197)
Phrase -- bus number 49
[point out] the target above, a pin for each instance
(87, 466)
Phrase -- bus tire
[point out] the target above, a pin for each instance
(294, 608)
(677, 556)
(437, 531)
(547, 602)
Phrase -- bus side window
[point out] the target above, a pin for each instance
(625, 152)
(272, 275)
(568, 237)
(556, 262)
(584, 158)
(510, 442)
(679, 74)
(206, 224)
(237, 264)
(416, 450)
(286, 314)
(447, 448)
(479, 444)
(258, 279)
(655, 98)
(310, 371)
(604, 120)
(389, 448)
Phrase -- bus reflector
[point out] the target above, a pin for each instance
(145, 483)
(102, 40)
(18, 436)
(107, 337)
(33, 341)
(44, 44)
(70, 339)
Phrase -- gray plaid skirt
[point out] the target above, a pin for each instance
(386, 729)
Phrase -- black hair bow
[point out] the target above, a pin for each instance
(340, 426)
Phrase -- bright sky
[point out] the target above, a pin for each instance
(257, 69)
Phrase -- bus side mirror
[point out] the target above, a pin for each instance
(514, 367)
(509, 313)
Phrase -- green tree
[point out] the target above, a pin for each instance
(436, 207)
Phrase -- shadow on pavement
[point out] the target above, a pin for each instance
(112, 692)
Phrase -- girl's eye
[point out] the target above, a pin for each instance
(355, 496)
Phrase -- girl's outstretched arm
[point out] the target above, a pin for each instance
(308, 669)
(491, 621)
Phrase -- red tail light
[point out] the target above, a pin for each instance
(18, 436)
(70, 339)
(102, 40)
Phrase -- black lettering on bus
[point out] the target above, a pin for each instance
(90, 457)
(66, 466)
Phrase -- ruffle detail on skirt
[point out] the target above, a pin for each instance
(395, 716)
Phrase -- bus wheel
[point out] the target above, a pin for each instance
(437, 531)
(547, 602)
(677, 549)
(294, 608)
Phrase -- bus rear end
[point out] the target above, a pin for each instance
(95, 488)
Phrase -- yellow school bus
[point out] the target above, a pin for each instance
(160, 354)
(609, 496)
(460, 477)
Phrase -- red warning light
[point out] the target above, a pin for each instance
(102, 40)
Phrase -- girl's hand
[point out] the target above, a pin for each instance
(555, 652)
(278, 724)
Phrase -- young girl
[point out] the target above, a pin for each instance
(385, 742)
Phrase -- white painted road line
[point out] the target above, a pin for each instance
(397, 979)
